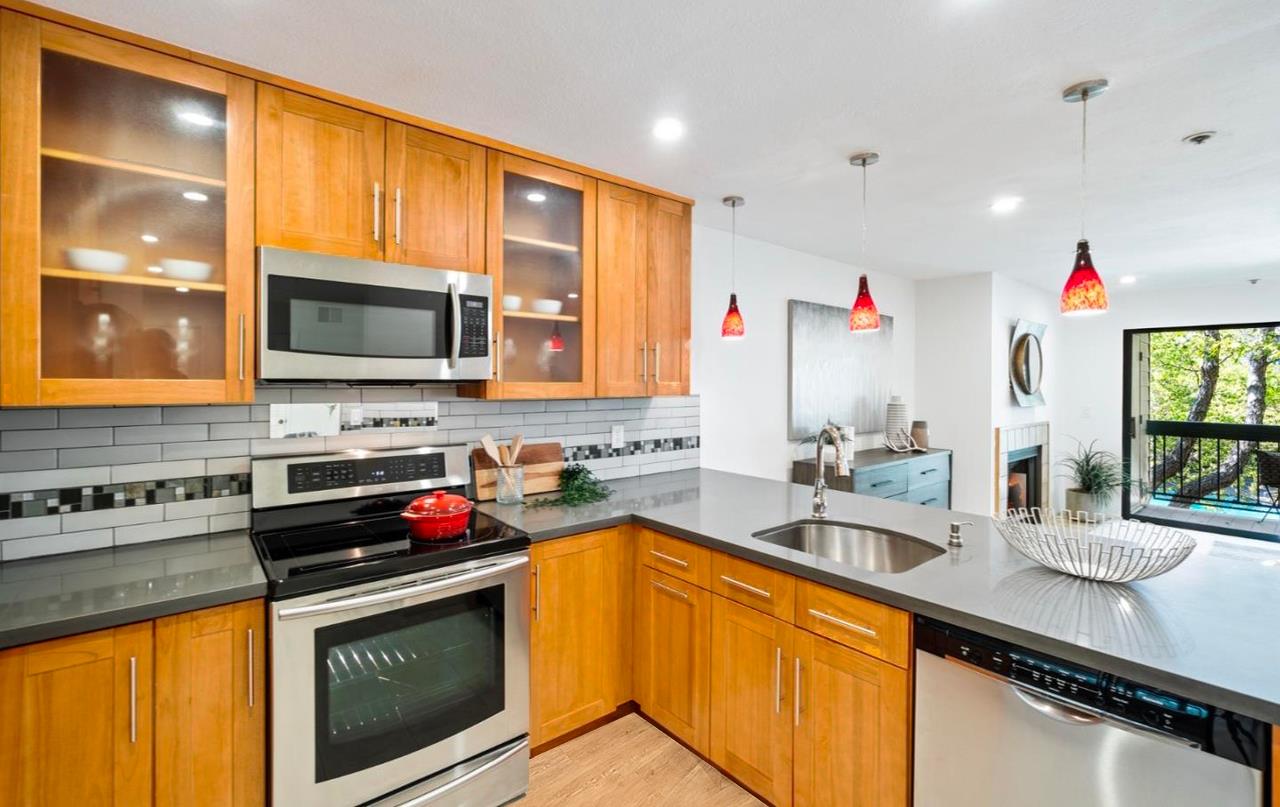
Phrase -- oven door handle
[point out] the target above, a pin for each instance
(455, 346)
(427, 798)
(428, 586)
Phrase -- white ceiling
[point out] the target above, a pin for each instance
(962, 98)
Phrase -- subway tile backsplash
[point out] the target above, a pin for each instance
(79, 479)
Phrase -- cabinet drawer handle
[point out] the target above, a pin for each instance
(644, 361)
(797, 691)
(657, 362)
(537, 592)
(930, 500)
(397, 217)
(882, 482)
(835, 620)
(684, 595)
(777, 682)
(377, 212)
(250, 668)
(240, 348)
(683, 564)
(929, 471)
(759, 592)
(133, 699)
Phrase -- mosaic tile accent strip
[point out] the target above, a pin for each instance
(395, 423)
(30, 504)
(656, 446)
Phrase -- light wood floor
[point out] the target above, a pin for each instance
(628, 763)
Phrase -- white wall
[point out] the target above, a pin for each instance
(1089, 357)
(743, 385)
(954, 380)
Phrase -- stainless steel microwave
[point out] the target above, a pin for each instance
(329, 318)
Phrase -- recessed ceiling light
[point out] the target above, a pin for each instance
(1128, 280)
(149, 238)
(196, 118)
(182, 289)
(668, 129)
(195, 196)
(1006, 204)
(155, 270)
(536, 196)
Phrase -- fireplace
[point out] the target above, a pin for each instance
(1024, 478)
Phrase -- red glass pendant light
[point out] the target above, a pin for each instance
(556, 343)
(733, 328)
(1084, 292)
(864, 317)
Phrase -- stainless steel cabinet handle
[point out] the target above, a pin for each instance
(241, 347)
(537, 592)
(449, 787)
(777, 682)
(797, 691)
(835, 620)
(644, 361)
(455, 349)
(250, 668)
(759, 592)
(377, 212)
(657, 362)
(684, 595)
(683, 564)
(394, 593)
(133, 699)
(397, 217)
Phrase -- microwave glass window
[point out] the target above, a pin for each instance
(391, 684)
(316, 326)
(305, 315)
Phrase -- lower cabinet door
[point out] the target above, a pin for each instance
(751, 710)
(851, 727)
(211, 706)
(576, 645)
(75, 720)
(673, 655)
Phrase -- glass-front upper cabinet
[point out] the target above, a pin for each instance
(127, 200)
(541, 253)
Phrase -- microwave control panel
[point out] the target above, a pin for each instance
(475, 327)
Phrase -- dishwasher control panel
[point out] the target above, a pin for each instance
(1128, 701)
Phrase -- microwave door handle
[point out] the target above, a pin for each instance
(403, 592)
(455, 346)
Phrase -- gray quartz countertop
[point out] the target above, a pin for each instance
(45, 598)
(1206, 630)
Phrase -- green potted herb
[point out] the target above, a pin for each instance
(577, 486)
(1095, 477)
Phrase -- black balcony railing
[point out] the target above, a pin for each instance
(1215, 464)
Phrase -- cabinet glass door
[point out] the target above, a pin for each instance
(547, 280)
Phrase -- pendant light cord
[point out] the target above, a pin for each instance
(1084, 156)
(864, 215)
(733, 249)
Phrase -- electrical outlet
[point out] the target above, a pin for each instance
(616, 436)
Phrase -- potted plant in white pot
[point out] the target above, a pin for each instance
(1095, 477)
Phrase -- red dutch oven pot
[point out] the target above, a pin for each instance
(438, 516)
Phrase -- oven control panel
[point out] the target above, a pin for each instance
(307, 477)
(475, 327)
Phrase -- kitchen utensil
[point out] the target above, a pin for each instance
(504, 455)
(179, 269)
(491, 449)
(542, 464)
(511, 302)
(517, 443)
(438, 516)
(544, 306)
(97, 260)
(1112, 551)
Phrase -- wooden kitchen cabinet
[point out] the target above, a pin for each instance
(320, 184)
(578, 634)
(76, 720)
(210, 698)
(751, 709)
(852, 715)
(126, 207)
(643, 297)
(434, 214)
(673, 655)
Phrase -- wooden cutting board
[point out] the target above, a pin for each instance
(542, 463)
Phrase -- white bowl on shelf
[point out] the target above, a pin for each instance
(512, 302)
(179, 269)
(97, 260)
(545, 306)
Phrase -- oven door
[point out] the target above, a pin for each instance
(381, 685)
(325, 317)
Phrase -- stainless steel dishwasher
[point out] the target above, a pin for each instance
(997, 724)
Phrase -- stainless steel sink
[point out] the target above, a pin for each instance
(869, 548)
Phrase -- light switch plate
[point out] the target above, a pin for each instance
(304, 420)
(616, 437)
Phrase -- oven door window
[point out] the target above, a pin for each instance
(391, 684)
(351, 319)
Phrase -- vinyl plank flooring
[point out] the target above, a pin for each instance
(628, 763)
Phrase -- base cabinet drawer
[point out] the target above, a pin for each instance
(882, 481)
(936, 495)
(754, 586)
(673, 556)
(928, 470)
(875, 629)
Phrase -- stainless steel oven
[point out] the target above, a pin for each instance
(419, 681)
(329, 318)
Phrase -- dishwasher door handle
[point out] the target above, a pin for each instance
(1078, 715)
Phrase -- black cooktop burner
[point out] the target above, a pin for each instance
(370, 543)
